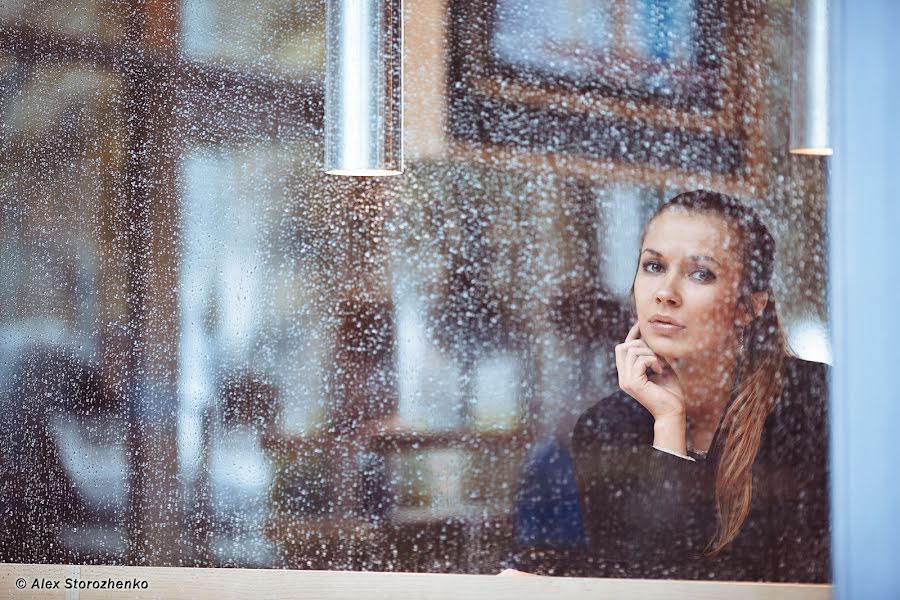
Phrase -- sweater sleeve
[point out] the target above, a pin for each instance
(636, 501)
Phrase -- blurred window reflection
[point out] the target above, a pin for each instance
(105, 20)
(273, 35)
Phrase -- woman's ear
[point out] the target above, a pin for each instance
(758, 302)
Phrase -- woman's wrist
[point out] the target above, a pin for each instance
(669, 432)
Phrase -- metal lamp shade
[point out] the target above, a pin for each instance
(809, 81)
(363, 88)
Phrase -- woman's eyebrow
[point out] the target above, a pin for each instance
(694, 257)
(700, 257)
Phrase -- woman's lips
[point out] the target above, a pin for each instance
(664, 328)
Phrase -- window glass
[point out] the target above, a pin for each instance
(273, 35)
(213, 354)
(103, 20)
(64, 312)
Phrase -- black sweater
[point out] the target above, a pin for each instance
(650, 514)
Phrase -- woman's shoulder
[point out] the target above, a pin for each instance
(805, 382)
(803, 404)
(617, 418)
(796, 431)
(803, 369)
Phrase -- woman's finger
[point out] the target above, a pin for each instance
(633, 378)
(632, 357)
(626, 354)
(634, 333)
(636, 348)
(623, 348)
(639, 360)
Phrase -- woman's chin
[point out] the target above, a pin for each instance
(663, 346)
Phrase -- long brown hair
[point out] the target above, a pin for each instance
(759, 377)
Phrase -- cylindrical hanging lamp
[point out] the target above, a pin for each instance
(809, 79)
(363, 88)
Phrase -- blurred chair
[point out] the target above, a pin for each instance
(548, 530)
(62, 478)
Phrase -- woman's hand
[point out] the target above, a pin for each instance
(660, 392)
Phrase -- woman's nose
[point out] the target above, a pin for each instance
(668, 296)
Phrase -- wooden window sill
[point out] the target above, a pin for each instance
(175, 583)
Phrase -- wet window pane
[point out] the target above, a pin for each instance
(64, 312)
(213, 354)
(103, 20)
(273, 35)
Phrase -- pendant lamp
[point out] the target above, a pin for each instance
(363, 88)
(809, 80)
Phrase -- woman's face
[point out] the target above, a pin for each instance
(687, 285)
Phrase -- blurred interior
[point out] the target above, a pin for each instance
(212, 354)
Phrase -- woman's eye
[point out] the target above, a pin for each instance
(652, 266)
(702, 275)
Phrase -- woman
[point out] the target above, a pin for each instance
(711, 461)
